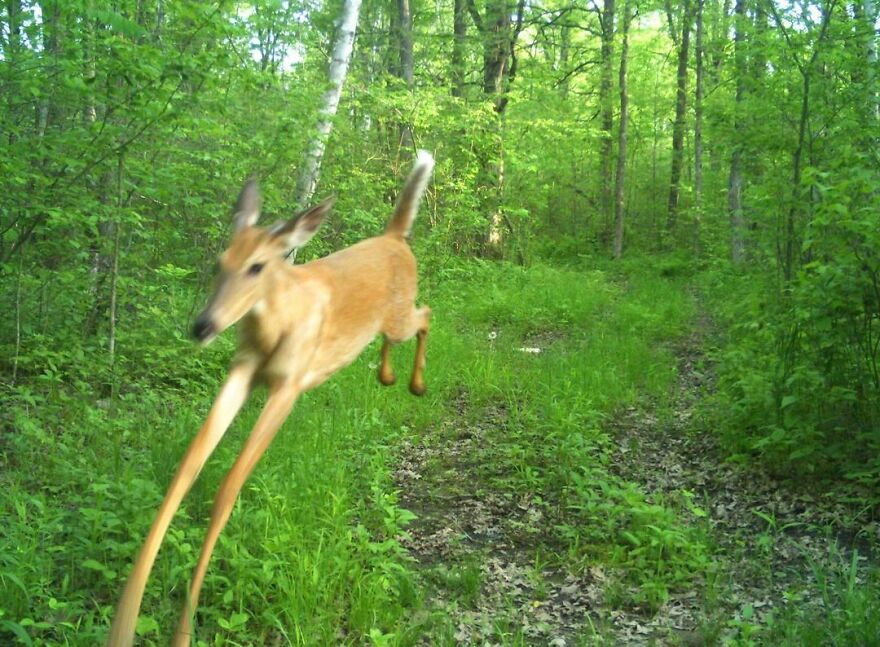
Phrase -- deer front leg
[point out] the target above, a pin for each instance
(277, 409)
(230, 399)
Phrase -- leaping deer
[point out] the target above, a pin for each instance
(299, 325)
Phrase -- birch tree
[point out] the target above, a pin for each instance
(342, 48)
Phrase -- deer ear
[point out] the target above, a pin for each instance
(247, 207)
(299, 230)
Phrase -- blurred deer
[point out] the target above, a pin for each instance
(299, 325)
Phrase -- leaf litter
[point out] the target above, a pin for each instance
(464, 524)
(766, 534)
(769, 535)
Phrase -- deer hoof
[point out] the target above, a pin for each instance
(387, 379)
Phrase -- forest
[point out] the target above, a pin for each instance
(651, 249)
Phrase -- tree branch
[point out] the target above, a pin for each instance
(475, 15)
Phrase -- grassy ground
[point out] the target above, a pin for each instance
(491, 510)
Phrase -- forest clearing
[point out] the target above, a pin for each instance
(650, 246)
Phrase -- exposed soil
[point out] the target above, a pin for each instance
(482, 548)
(769, 535)
(464, 527)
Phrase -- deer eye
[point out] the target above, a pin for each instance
(255, 269)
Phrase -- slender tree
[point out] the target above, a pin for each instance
(867, 21)
(500, 35)
(404, 27)
(678, 126)
(735, 178)
(619, 181)
(606, 108)
(807, 69)
(459, 37)
(698, 127)
(405, 49)
(342, 48)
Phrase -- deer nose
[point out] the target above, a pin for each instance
(203, 328)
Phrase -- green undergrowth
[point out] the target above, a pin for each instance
(845, 612)
(602, 339)
(838, 607)
(799, 387)
(311, 554)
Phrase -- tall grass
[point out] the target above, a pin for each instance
(311, 554)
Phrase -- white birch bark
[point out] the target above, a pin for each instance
(342, 48)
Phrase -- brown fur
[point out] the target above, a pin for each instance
(299, 325)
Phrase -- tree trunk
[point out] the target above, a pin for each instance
(717, 35)
(564, 54)
(680, 115)
(496, 49)
(606, 106)
(788, 259)
(499, 71)
(405, 46)
(735, 180)
(17, 353)
(90, 112)
(11, 56)
(405, 42)
(107, 229)
(865, 12)
(114, 270)
(791, 243)
(698, 129)
(459, 35)
(342, 48)
(870, 9)
(49, 113)
(620, 183)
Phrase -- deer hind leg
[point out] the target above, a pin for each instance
(415, 324)
(386, 373)
(422, 321)
(275, 412)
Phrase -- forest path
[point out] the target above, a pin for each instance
(497, 571)
(768, 539)
(483, 551)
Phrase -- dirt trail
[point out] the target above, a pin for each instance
(480, 550)
(768, 535)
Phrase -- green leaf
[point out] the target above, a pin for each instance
(788, 400)
(146, 625)
(698, 511)
(93, 565)
(631, 538)
(238, 619)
